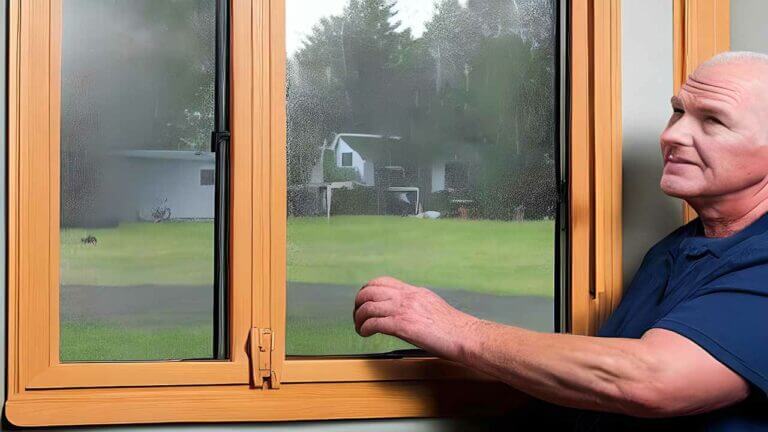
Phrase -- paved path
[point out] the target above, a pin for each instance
(312, 300)
(174, 305)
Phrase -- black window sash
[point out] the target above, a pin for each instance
(220, 142)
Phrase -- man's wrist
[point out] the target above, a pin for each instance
(469, 340)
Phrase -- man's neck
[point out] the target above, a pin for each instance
(726, 215)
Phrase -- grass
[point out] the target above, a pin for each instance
(99, 341)
(142, 253)
(93, 341)
(494, 257)
(514, 258)
(334, 335)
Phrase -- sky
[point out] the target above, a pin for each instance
(301, 15)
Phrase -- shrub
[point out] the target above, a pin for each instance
(333, 173)
(358, 201)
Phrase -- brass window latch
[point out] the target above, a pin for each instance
(262, 347)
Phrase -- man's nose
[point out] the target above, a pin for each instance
(679, 132)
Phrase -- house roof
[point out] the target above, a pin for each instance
(372, 147)
(167, 154)
(393, 150)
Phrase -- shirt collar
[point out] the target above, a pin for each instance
(697, 243)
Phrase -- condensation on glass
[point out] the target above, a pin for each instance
(421, 145)
(137, 190)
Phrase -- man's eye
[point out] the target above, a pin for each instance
(678, 111)
(714, 120)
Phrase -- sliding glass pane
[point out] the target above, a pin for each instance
(137, 179)
(421, 145)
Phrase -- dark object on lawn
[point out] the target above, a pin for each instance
(89, 240)
(161, 212)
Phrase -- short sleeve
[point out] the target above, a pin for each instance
(731, 323)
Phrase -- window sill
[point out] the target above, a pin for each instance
(311, 401)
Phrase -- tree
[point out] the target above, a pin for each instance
(184, 55)
(349, 76)
(478, 84)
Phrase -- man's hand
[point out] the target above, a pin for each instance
(416, 315)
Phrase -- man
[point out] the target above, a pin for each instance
(689, 339)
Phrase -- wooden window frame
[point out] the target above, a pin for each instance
(701, 29)
(33, 226)
(595, 163)
(44, 392)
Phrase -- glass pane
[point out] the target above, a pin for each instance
(421, 145)
(137, 193)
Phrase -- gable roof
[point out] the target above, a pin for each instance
(376, 148)
(393, 150)
(167, 154)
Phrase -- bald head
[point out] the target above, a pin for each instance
(735, 78)
(739, 67)
(746, 71)
(733, 57)
(716, 142)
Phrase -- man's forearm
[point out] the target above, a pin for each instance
(605, 374)
(659, 375)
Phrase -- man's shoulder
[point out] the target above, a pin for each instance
(757, 242)
(744, 252)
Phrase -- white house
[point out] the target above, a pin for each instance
(407, 175)
(363, 152)
(183, 181)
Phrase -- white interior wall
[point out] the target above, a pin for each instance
(749, 31)
(646, 56)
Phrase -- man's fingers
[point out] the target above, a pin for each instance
(375, 306)
(371, 326)
(373, 293)
(386, 281)
(373, 309)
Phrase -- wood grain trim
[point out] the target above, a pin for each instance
(678, 44)
(14, 220)
(279, 174)
(261, 151)
(608, 177)
(241, 404)
(595, 171)
(34, 186)
(701, 30)
(243, 287)
(54, 152)
(356, 370)
(82, 375)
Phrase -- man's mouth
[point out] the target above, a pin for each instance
(672, 157)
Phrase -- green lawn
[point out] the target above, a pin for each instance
(143, 253)
(94, 341)
(493, 257)
(514, 258)
(105, 342)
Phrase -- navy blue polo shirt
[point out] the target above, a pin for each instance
(713, 291)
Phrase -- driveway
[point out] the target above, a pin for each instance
(180, 305)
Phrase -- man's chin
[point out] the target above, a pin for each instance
(679, 189)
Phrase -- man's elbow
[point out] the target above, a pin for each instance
(640, 385)
(658, 398)
(649, 399)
